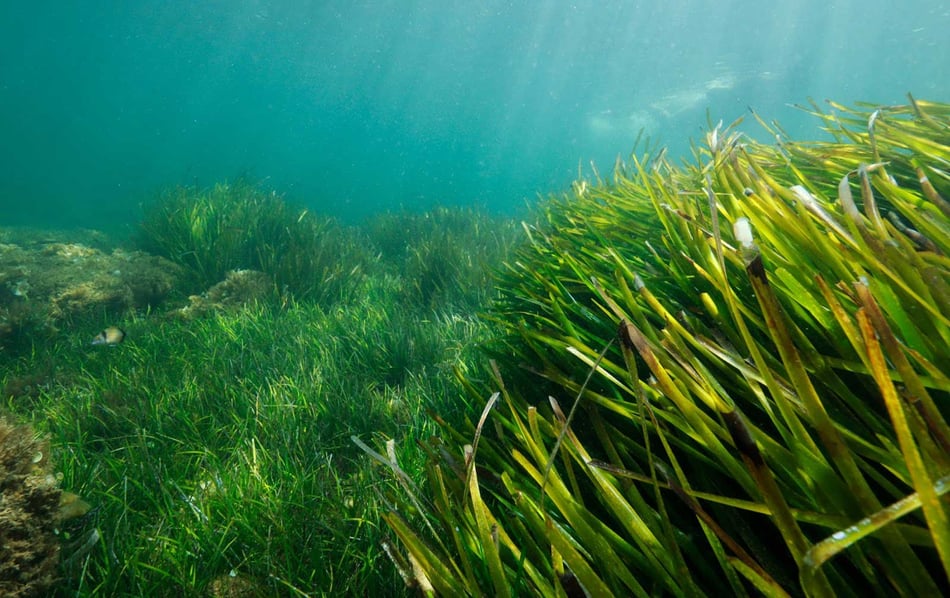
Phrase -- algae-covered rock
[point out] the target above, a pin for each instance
(239, 288)
(29, 512)
(46, 279)
(236, 586)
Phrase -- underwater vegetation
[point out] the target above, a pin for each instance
(213, 442)
(446, 256)
(728, 376)
(241, 226)
(723, 376)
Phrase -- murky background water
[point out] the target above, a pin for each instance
(359, 107)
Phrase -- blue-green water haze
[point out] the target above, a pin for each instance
(358, 107)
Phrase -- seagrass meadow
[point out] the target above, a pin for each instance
(721, 376)
(209, 453)
(727, 376)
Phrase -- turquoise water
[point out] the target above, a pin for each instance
(357, 107)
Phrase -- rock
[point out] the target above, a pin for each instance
(239, 288)
(46, 279)
(29, 509)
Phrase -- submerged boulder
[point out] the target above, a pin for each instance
(46, 279)
(239, 288)
(29, 513)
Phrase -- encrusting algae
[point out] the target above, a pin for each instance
(29, 511)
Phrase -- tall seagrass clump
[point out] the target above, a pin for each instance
(729, 377)
(241, 225)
